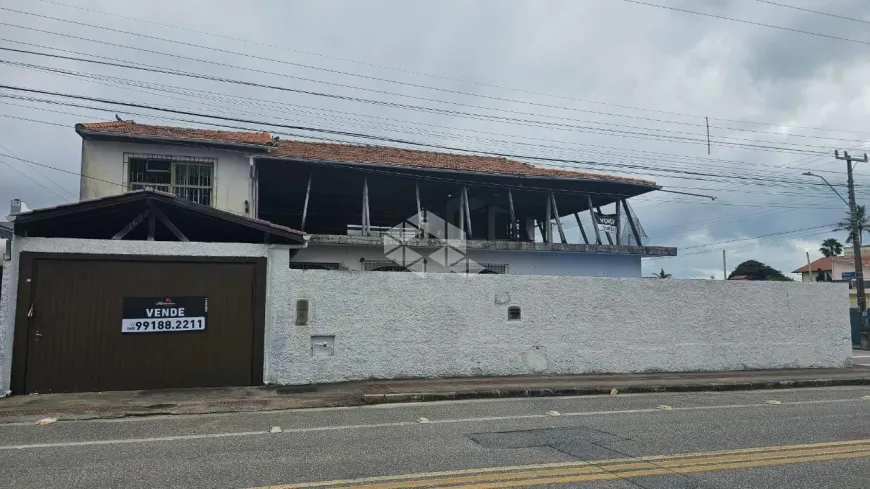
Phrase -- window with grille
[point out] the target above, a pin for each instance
(187, 177)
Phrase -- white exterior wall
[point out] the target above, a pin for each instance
(104, 160)
(840, 268)
(5, 332)
(109, 247)
(401, 325)
(519, 262)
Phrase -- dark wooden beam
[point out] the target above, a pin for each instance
(305, 206)
(132, 225)
(594, 220)
(582, 231)
(169, 225)
(618, 226)
(558, 220)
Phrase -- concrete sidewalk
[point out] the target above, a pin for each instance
(95, 405)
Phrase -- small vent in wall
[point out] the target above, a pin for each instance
(302, 312)
(514, 313)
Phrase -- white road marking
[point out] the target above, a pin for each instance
(391, 425)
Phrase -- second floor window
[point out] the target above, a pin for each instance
(187, 177)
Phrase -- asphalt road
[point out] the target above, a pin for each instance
(807, 438)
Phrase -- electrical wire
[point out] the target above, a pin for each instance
(760, 24)
(38, 171)
(793, 7)
(403, 70)
(377, 138)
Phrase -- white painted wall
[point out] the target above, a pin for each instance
(5, 333)
(109, 247)
(519, 262)
(103, 162)
(401, 325)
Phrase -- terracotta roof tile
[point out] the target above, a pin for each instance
(826, 263)
(430, 159)
(354, 153)
(133, 129)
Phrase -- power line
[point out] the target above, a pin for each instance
(746, 239)
(793, 7)
(393, 81)
(198, 123)
(594, 130)
(37, 170)
(378, 138)
(760, 24)
(442, 77)
(174, 89)
(29, 177)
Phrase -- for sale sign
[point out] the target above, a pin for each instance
(164, 314)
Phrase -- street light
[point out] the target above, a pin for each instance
(811, 174)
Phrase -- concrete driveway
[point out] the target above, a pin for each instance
(861, 357)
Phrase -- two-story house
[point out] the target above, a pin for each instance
(514, 216)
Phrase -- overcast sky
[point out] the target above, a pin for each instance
(607, 81)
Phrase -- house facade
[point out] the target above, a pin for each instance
(203, 258)
(515, 218)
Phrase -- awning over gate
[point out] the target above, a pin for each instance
(149, 215)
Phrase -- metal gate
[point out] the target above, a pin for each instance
(70, 323)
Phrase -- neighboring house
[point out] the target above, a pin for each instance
(833, 268)
(739, 277)
(346, 197)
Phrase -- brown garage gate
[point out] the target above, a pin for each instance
(69, 323)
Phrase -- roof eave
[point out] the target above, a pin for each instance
(54, 212)
(91, 134)
(650, 186)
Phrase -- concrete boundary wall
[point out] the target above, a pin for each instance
(401, 325)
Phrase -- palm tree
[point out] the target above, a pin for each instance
(662, 274)
(860, 218)
(831, 247)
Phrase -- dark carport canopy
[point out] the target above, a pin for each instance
(149, 214)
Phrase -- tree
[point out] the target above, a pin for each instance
(860, 218)
(755, 270)
(831, 247)
(662, 274)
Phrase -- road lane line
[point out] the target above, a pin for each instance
(598, 468)
(780, 451)
(646, 473)
(132, 440)
(399, 424)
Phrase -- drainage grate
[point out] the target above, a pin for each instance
(161, 406)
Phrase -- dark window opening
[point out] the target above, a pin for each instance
(301, 265)
(514, 313)
(187, 177)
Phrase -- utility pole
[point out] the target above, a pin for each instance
(856, 243)
(809, 269)
(724, 267)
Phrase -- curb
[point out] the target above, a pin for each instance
(403, 397)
